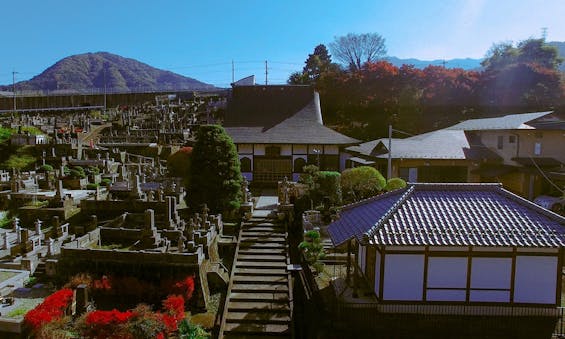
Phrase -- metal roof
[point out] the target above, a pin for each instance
(511, 121)
(450, 215)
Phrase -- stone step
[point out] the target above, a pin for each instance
(257, 306)
(263, 234)
(256, 336)
(261, 264)
(261, 251)
(258, 317)
(280, 297)
(252, 245)
(271, 279)
(264, 229)
(238, 287)
(260, 257)
(264, 239)
(260, 271)
(249, 329)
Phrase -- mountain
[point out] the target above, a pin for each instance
(467, 63)
(85, 72)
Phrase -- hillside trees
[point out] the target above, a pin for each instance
(363, 99)
(523, 76)
(318, 63)
(215, 177)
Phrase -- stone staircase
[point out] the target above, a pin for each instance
(259, 298)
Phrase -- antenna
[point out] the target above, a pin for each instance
(443, 62)
(266, 72)
(14, 86)
(543, 33)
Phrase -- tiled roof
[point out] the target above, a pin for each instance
(511, 121)
(358, 218)
(440, 144)
(284, 126)
(451, 215)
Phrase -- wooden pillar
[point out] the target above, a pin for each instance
(348, 276)
(355, 271)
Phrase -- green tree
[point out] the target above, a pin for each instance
(361, 182)
(215, 176)
(317, 63)
(394, 184)
(354, 50)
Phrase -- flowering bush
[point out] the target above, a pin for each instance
(52, 308)
(106, 324)
(174, 312)
(185, 287)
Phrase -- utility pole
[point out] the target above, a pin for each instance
(232, 72)
(389, 167)
(266, 73)
(14, 88)
(543, 33)
(104, 88)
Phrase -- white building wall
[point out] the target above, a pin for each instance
(490, 279)
(403, 277)
(259, 149)
(535, 280)
(377, 273)
(286, 150)
(362, 258)
(445, 276)
(299, 149)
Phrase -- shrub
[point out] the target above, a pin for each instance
(91, 186)
(46, 168)
(105, 182)
(52, 308)
(394, 184)
(93, 170)
(173, 312)
(361, 182)
(105, 324)
(191, 331)
(328, 185)
(75, 174)
(145, 324)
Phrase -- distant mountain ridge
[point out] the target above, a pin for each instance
(83, 72)
(465, 63)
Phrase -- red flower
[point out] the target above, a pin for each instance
(174, 312)
(184, 287)
(53, 307)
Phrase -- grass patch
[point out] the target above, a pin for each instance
(17, 312)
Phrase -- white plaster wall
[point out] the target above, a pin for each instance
(362, 257)
(377, 273)
(447, 272)
(245, 149)
(259, 149)
(489, 296)
(403, 277)
(331, 149)
(535, 280)
(446, 295)
(286, 150)
(299, 149)
(491, 273)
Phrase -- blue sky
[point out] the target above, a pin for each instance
(201, 38)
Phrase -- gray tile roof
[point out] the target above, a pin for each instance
(303, 126)
(440, 144)
(450, 215)
(511, 121)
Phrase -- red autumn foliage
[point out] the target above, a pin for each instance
(102, 284)
(53, 307)
(174, 312)
(104, 324)
(185, 287)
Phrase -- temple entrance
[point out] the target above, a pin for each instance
(272, 170)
